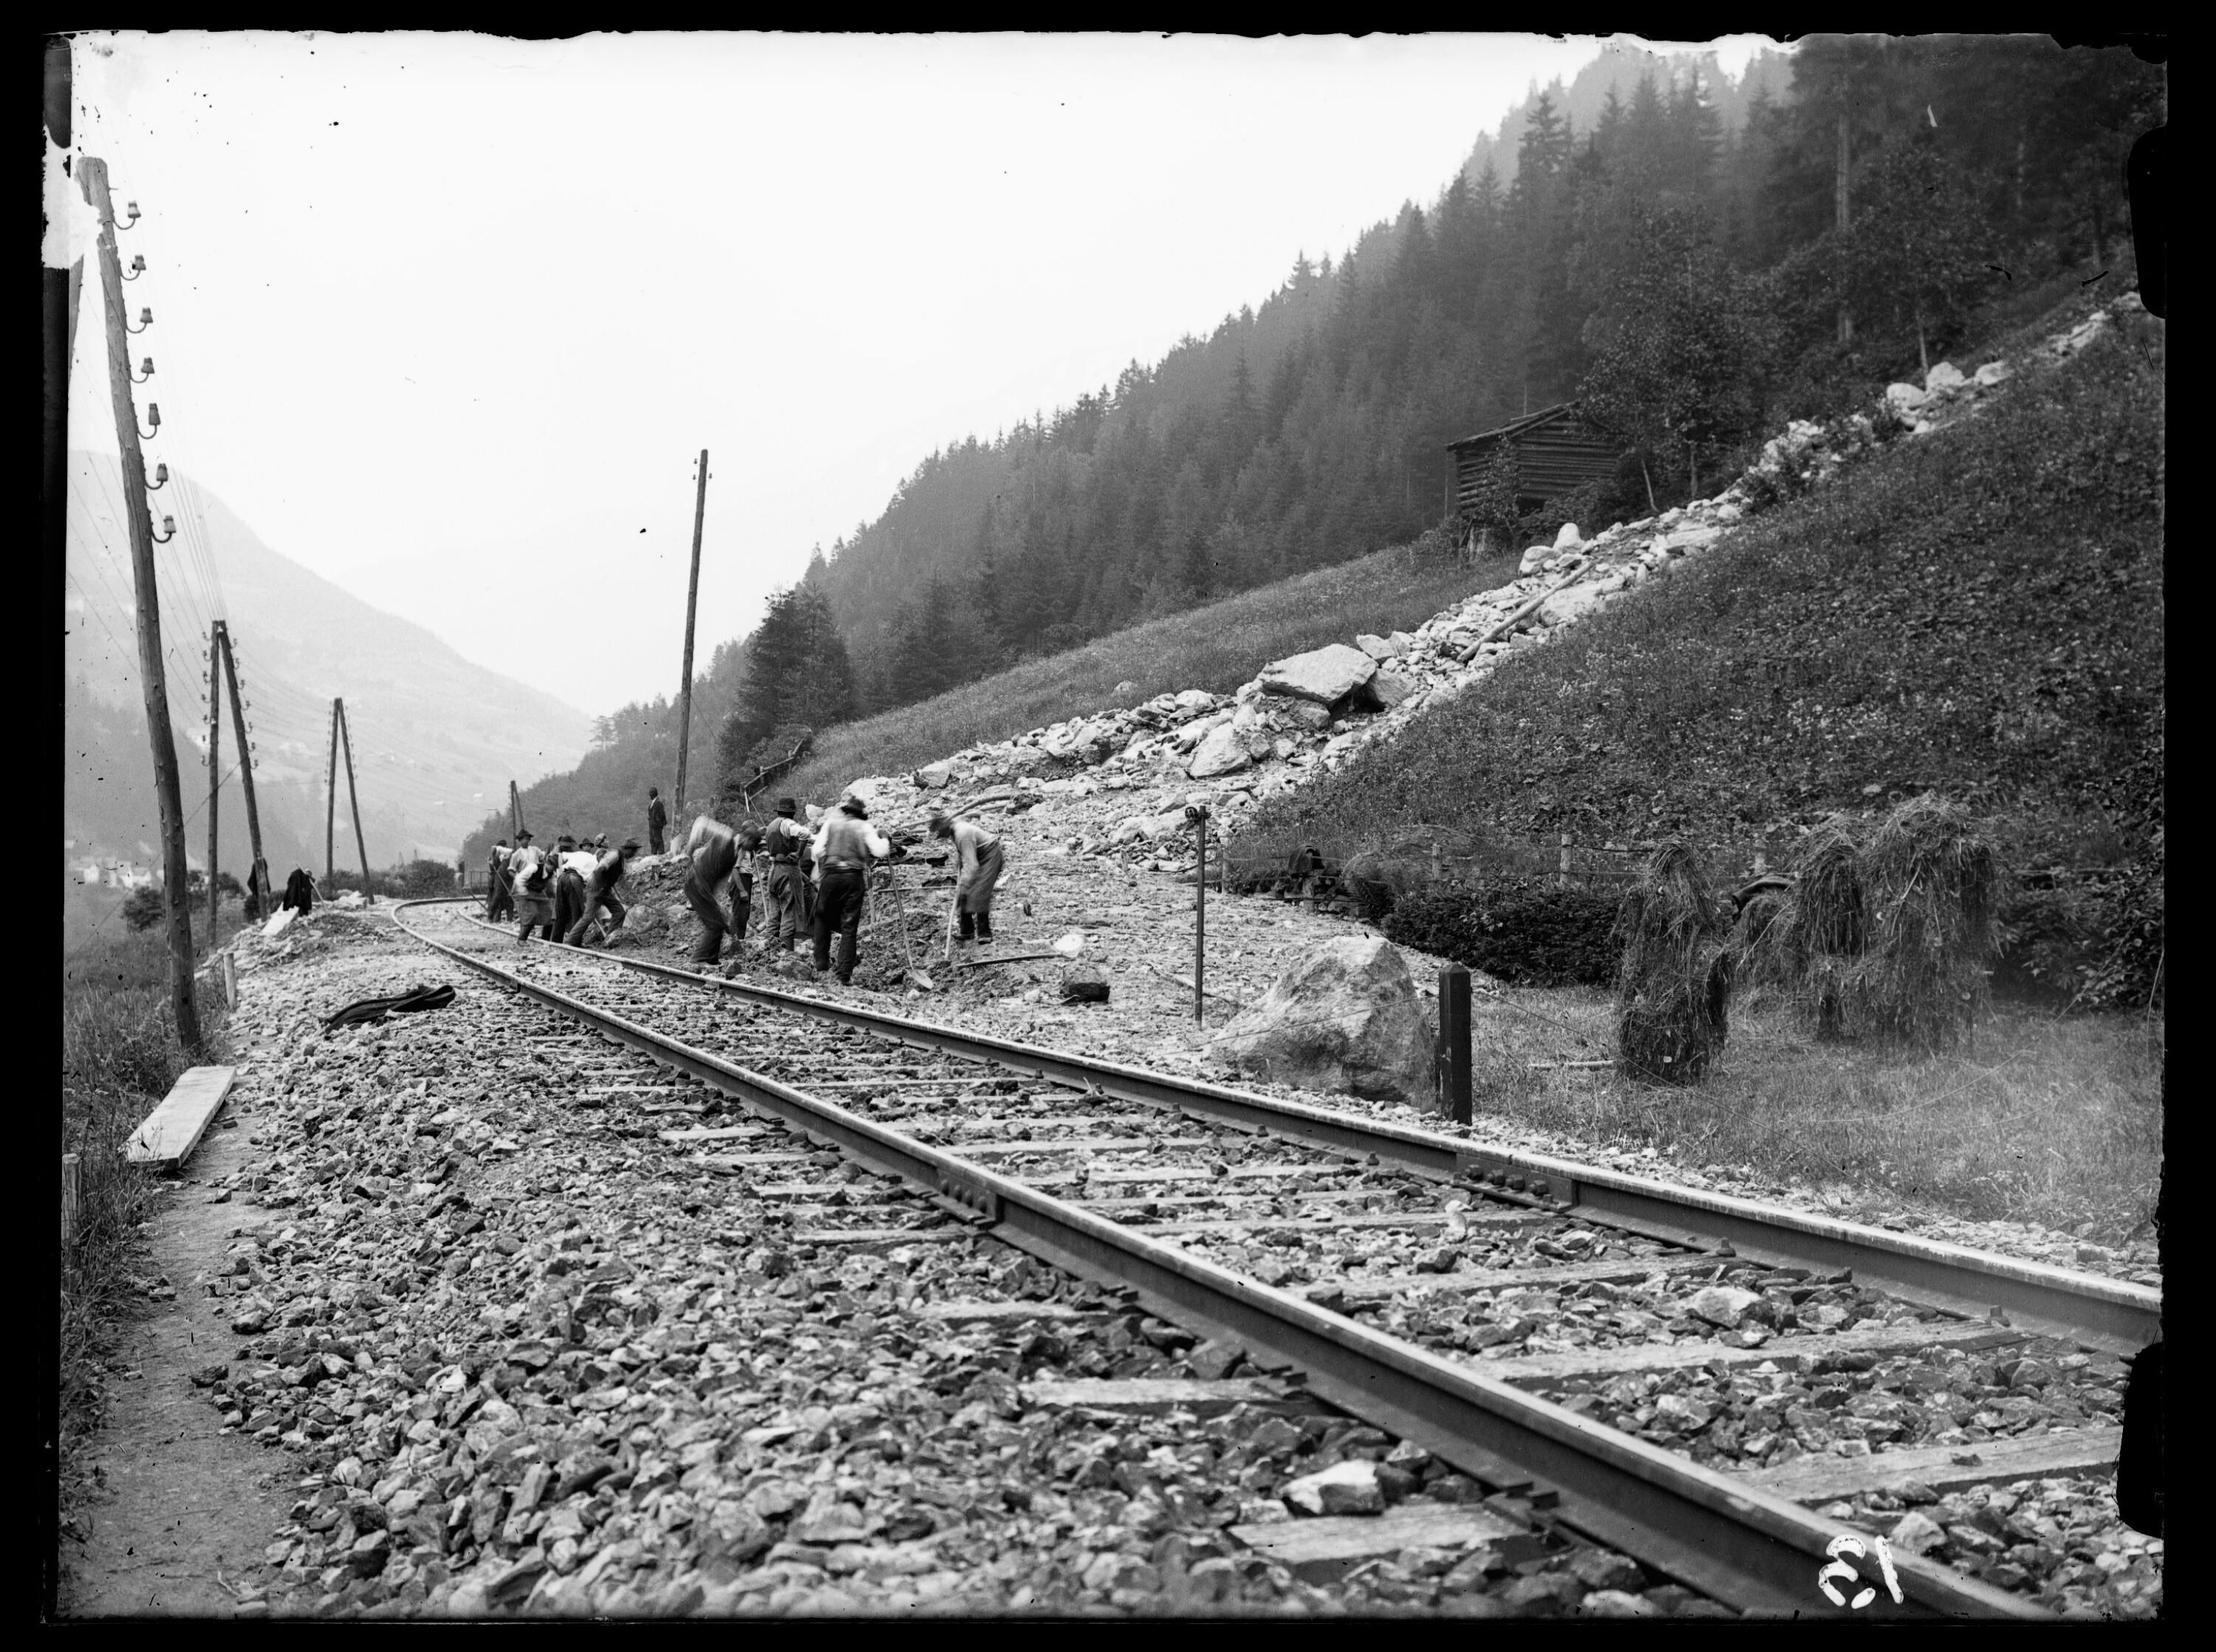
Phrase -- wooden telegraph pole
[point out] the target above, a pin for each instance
(514, 812)
(331, 802)
(691, 601)
(354, 802)
(215, 770)
(93, 177)
(257, 880)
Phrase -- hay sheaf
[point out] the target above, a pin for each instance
(1934, 887)
(1673, 988)
(1886, 937)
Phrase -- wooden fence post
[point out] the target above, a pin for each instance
(1564, 876)
(1453, 1051)
(72, 1191)
(230, 981)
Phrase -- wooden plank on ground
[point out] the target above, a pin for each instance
(1551, 1370)
(174, 1128)
(1154, 1396)
(1942, 1468)
(1320, 1550)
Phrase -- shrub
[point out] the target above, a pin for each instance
(143, 908)
(1520, 930)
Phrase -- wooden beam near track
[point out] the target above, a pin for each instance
(174, 1128)
(1943, 1468)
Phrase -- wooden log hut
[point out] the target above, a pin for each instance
(1557, 449)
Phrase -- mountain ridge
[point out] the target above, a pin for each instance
(435, 736)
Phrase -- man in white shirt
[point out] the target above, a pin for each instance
(601, 892)
(845, 844)
(572, 866)
(530, 875)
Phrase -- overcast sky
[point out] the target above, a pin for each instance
(444, 316)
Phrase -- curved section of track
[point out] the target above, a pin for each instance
(1726, 1537)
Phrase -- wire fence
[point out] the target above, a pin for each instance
(1333, 874)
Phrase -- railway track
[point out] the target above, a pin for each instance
(1389, 1266)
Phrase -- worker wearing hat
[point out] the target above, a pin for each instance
(845, 844)
(531, 870)
(785, 846)
(601, 891)
(979, 861)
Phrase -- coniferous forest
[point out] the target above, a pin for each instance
(1692, 258)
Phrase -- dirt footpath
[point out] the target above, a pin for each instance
(180, 1512)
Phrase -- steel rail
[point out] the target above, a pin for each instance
(2108, 1315)
(1746, 1546)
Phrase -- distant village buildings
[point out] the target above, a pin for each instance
(113, 874)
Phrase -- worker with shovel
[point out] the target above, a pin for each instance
(980, 860)
(786, 845)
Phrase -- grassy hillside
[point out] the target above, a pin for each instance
(1216, 647)
(1979, 610)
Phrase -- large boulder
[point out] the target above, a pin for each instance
(1345, 1016)
(1283, 711)
(1326, 675)
(1223, 751)
(1569, 538)
(1944, 377)
(1572, 603)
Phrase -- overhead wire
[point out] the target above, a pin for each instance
(180, 595)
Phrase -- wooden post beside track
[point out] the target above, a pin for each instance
(1453, 1081)
(1199, 816)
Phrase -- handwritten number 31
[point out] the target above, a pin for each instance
(1848, 1544)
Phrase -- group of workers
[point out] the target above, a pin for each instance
(816, 881)
(813, 881)
(562, 893)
